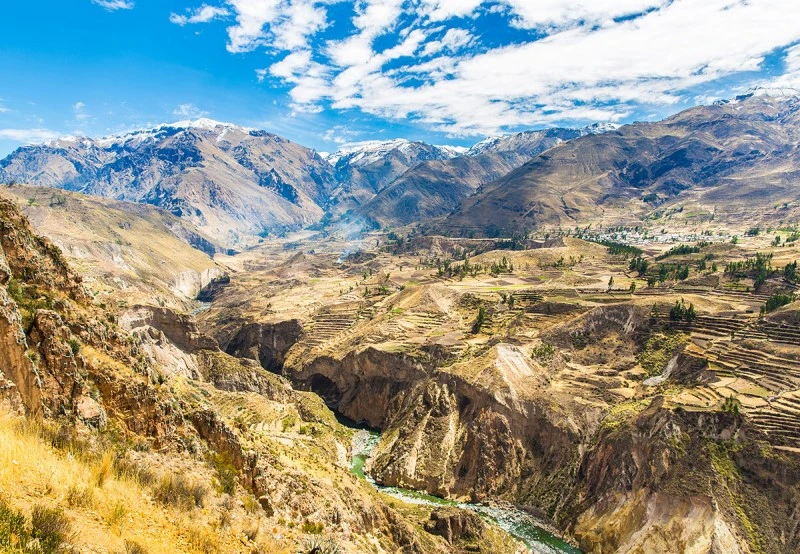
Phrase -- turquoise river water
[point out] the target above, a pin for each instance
(516, 522)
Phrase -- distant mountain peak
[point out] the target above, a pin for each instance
(149, 133)
(371, 151)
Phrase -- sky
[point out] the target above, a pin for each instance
(326, 73)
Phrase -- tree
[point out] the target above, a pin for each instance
(610, 282)
(480, 320)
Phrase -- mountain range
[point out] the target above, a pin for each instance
(237, 184)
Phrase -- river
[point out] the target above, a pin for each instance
(516, 522)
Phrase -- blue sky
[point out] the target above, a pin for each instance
(324, 73)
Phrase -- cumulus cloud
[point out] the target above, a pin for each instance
(114, 5)
(203, 14)
(189, 111)
(577, 60)
(28, 136)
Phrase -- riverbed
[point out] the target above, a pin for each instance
(511, 519)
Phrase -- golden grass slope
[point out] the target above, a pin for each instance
(126, 252)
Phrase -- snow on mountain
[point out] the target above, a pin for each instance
(360, 154)
(516, 141)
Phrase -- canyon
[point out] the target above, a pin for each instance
(618, 361)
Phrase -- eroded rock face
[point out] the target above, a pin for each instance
(267, 343)
(454, 439)
(366, 385)
(170, 339)
(454, 524)
(21, 382)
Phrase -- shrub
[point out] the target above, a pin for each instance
(176, 490)
(126, 468)
(51, 528)
(316, 545)
(74, 346)
(13, 531)
(79, 497)
(777, 300)
(116, 514)
(543, 353)
(227, 474)
(312, 528)
(203, 541)
(134, 548)
(251, 504)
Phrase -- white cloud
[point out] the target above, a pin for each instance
(113, 5)
(203, 14)
(587, 60)
(78, 110)
(28, 136)
(189, 111)
(452, 41)
(340, 134)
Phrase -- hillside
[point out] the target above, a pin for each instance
(435, 188)
(733, 161)
(125, 252)
(232, 183)
(130, 431)
(364, 169)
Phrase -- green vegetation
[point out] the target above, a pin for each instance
(312, 528)
(659, 350)
(726, 469)
(731, 405)
(480, 320)
(543, 353)
(758, 267)
(682, 312)
(682, 250)
(621, 249)
(790, 272)
(777, 300)
(226, 472)
(49, 531)
(639, 264)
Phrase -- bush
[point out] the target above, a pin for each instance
(227, 474)
(74, 346)
(318, 545)
(543, 353)
(134, 548)
(79, 497)
(116, 514)
(13, 531)
(777, 300)
(312, 528)
(51, 528)
(176, 490)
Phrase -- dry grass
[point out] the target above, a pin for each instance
(60, 490)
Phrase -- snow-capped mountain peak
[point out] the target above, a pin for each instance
(359, 154)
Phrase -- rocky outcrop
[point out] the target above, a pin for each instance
(365, 385)
(455, 524)
(169, 339)
(267, 343)
(482, 448)
(21, 383)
